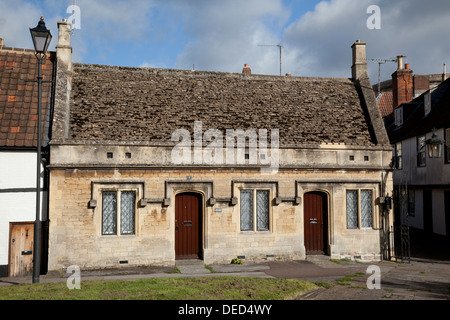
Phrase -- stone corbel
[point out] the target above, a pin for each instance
(92, 204)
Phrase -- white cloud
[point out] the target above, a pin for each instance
(225, 35)
(320, 40)
(16, 17)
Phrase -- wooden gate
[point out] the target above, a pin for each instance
(315, 223)
(21, 239)
(188, 226)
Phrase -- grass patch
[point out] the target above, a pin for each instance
(323, 284)
(175, 270)
(339, 261)
(335, 261)
(345, 281)
(210, 269)
(202, 288)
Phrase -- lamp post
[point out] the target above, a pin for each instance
(41, 39)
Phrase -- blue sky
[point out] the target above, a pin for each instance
(223, 35)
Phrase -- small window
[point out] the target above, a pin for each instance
(351, 158)
(366, 158)
(427, 102)
(109, 155)
(359, 209)
(399, 116)
(254, 205)
(398, 160)
(128, 155)
(421, 151)
(118, 212)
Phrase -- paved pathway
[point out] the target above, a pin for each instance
(338, 280)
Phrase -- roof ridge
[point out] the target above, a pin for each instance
(108, 68)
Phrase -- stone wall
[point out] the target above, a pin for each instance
(75, 221)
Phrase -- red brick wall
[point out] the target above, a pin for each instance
(402, 86)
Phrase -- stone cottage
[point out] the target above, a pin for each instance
(149, 166)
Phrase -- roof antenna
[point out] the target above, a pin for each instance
(273, 45)
(380, 62)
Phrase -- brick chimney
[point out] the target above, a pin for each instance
(359, 65)
(402, 84)
(246, 69)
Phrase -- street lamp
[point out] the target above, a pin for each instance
(41, 39)
(434, 146)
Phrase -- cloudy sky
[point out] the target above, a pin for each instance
(223, 35)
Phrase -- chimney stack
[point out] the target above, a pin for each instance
(246, 69)
(402, 84)
(359, 65)
(1, 42)
(63, 48)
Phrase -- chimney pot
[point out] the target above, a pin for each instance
(406, 66)
(1, 41)
(246, 69)
(400, 62)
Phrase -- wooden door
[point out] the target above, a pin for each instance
(315, 223)
(188, 226)
(21, 249)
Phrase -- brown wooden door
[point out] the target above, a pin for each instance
(188, 226)
(315, 223)
(21, 249)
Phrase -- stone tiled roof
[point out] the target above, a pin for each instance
(18, 98)
(144, 106)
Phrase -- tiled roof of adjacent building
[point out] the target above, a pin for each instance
(144, 106)
(386, 103)
(19, 96)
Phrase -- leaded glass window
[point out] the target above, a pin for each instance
(255, 210)
(352, 209)
(262, 209)
(118, 212)
(421, 151)
(366, 208)
(359, 208)
(109, 204)
(246, 210)
(127, 208)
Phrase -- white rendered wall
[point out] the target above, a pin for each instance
(17, 171)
